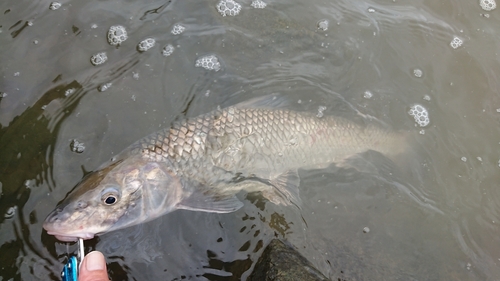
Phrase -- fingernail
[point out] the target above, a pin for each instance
(95, 261)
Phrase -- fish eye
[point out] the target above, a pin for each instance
(110, 200)
(110, 196)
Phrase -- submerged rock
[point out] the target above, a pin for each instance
(281, 262)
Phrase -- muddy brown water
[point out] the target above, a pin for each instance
(431, 216)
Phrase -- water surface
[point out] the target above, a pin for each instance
(431, 216)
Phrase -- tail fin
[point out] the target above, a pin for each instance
(412, 164)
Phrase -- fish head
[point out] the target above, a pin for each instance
(125, 193)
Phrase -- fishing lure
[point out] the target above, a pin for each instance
(70, 270)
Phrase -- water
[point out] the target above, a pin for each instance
(440, 221)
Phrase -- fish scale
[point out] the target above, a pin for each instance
(255, 140)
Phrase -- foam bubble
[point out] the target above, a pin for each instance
(69, 92)
(178, 29)
(117, 34)
(417, 72)
(368, 95)
(427, 97)
(321, 108)
(167, 50)
(99, 58)
(228, 8)
(420, 114)
(323, 25)
(488, 5)
(54, 6)
(146, 44)
(77, 146)
(258, 4)
(456, 42)
(104, 87)
(210, 62)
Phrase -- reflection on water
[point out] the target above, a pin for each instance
(433, 215)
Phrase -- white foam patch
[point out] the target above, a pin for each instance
(228, 8)
(99, 58)
(420, 114)
(488, 5)
(258, 4)
(146, 44)
(210, 62)
(167, 50)
(117, 34)
(178, 29)
(456, 42)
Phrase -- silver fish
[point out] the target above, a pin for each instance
(201, 163)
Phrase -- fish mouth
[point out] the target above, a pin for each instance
(71, 238)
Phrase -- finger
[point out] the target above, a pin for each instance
(93, 268)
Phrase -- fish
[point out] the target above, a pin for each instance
(201, 163)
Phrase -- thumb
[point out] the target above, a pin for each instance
(93, 268)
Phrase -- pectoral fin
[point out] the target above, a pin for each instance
(285, 189)
(210, 203)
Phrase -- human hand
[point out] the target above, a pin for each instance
(93, 268)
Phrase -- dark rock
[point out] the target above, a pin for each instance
(281, 262)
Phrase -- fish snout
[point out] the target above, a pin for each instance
(54, 216)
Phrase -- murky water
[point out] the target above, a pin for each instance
(435, 217)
